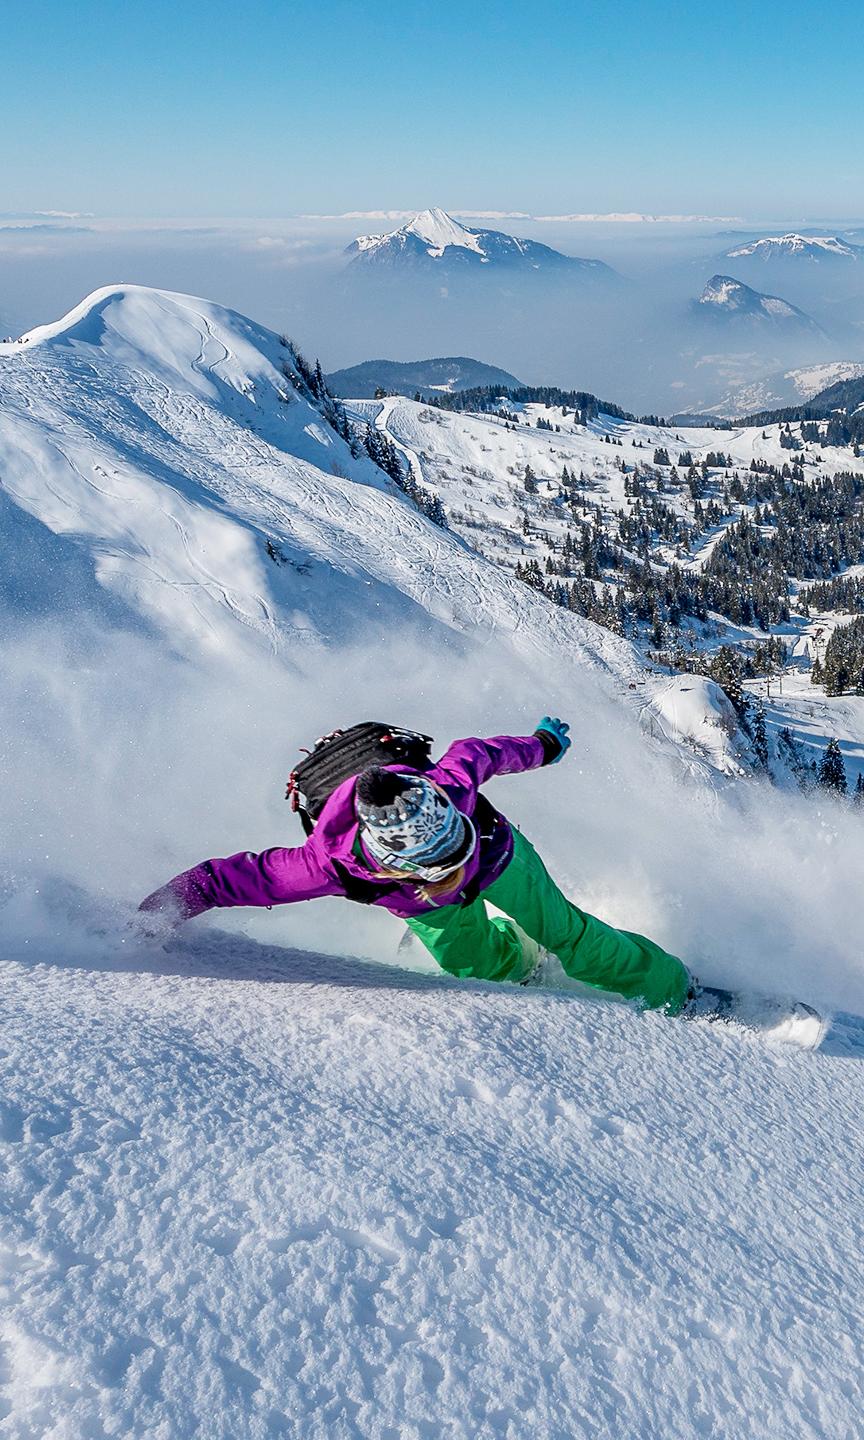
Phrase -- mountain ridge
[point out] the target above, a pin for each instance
(725, 299)
(163, 389)
(793, 246)
(433, 242)
(442, 374)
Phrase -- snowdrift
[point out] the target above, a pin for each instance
(692, 709)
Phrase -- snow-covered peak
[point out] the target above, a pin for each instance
(434, 241)
(728, 297)
(168, 334)
(438, 230)
(722, 290)
(808, 247)
(434, 229)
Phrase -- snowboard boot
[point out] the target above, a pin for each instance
(771, 1017)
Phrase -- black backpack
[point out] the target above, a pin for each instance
(343, 753)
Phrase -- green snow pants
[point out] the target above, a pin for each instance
(466, 941)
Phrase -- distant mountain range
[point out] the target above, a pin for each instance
(817, 249)
(433, 242)
(844, 395)
(788, 387)
(730, 302)
(443, 375)
(844, 399)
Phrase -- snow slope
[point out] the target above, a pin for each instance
(254, 1192)
(477, 464)
(159, 434)
(257, 1186)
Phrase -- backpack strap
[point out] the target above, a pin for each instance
(364, 892)
(486, 821)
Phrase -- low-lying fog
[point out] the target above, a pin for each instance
(640, 343)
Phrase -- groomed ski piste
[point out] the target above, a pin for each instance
(276, 1178)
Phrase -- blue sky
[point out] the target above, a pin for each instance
(269, 107)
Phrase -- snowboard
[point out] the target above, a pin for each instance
(772, 1017)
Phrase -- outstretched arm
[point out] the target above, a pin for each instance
(272, 877)
(475, 761)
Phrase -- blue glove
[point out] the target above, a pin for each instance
(553, 736)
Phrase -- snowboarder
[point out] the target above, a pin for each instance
(426, 846)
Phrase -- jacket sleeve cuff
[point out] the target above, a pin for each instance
(552, 748)
(181, 899)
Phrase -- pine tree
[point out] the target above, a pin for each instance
(832, 772)
(725, 668)
(760, 737)
(858, 796)
(434, 509)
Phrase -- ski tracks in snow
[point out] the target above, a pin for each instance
(382, 422)
(239, 460)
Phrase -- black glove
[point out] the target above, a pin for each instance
(553, 736)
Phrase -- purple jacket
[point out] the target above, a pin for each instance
(308, 871)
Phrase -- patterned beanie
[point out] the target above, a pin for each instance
(408, 824)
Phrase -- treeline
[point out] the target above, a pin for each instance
(838, 408)
(812, 531)
(383, 453)
(489, 397)
(649, 519)
(308, 380)
(658, 598)
(843, 593)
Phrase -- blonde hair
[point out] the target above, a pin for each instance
(430, 890)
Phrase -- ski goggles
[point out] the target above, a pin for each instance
(415, 870)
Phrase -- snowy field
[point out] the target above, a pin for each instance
(278, 1179)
